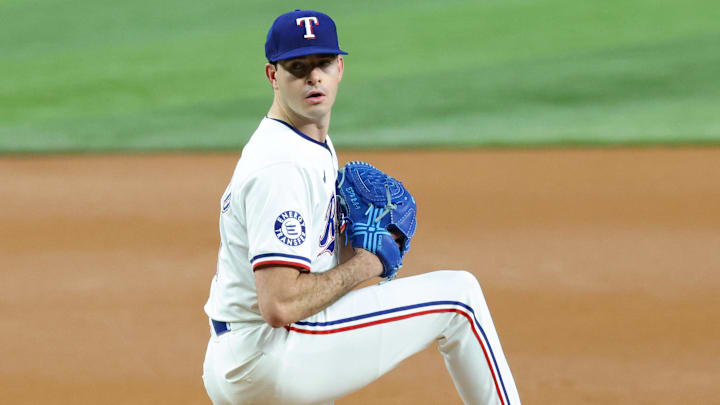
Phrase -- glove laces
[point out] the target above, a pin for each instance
(389, 206)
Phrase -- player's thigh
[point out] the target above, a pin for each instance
(368, 332)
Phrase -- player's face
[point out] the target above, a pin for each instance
(307, 86)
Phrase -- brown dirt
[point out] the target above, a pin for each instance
(600, 267)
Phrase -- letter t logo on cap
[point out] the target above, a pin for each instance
(308, 26)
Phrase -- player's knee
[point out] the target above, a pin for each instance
(469, 290)
(464, 281)
(460, 285)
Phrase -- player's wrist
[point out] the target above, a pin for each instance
(369, 261)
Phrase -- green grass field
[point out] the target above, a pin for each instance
(82, 75)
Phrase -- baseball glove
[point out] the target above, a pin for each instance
(378, 213)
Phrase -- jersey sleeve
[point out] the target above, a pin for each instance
(277, 210)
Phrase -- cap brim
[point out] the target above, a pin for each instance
(309, 50)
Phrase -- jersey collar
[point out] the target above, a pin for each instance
(323, 144)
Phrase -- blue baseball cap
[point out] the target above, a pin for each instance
(301, 33)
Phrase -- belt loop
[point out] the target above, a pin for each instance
(212, 329)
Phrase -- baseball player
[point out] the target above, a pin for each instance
(287, 325)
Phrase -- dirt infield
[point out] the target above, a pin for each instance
(600, 267)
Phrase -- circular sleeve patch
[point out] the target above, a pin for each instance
(290, 228)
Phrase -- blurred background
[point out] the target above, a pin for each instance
(82, 75)
(509, 120)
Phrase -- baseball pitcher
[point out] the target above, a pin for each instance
(287, 326)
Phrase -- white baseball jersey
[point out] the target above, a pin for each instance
(278, 210)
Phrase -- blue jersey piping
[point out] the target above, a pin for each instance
(280, 255)
(297, 131)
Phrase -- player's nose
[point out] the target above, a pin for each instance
(315, 76)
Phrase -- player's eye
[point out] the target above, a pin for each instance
(298, 69)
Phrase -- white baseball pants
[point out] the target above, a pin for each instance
(361, 337)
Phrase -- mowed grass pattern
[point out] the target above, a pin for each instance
(82, 75)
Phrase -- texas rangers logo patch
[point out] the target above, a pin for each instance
(290, 228)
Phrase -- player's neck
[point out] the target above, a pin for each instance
(316, 130)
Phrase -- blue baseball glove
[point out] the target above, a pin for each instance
(375, 209)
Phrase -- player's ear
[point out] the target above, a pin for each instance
(341, 66)
(271, 74)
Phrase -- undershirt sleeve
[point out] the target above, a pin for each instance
(278, 209)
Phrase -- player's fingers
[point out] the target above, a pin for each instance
(398, 238)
